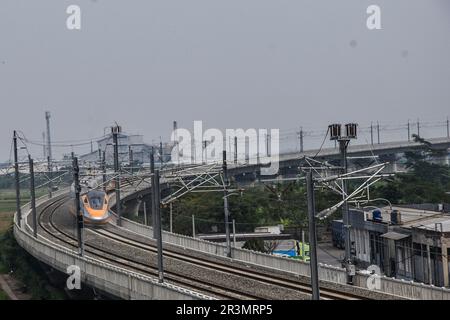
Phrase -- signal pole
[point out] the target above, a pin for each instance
(312, 236)
(152, 170)
(335, 134)
(235, 150)
(43, 146)
(378, 132)
(225, 203)
(300, 136)
(409, 132)
(158, 228)
(115, 131)
(130, 158)
(33, 196)
(16, 178)
(171, 217)
(371, 133)
(161, 153)
(79, 214)
(104, 169)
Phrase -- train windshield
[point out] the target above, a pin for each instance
(96, 199)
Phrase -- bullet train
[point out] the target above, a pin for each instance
(94, 204)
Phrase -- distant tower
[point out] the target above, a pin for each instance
(49, 154)
(49, 146)
(44, 146)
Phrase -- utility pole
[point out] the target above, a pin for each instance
(33, 196)
(371, 133)
(303, 244)
(16, 179)
(104, 169)
(115, 131)
(161, 156)
(130, 158)
(79, 214)
(193, 226)
(234, 233)
(152, 170)
(158, 225)
(225, 203)
(205, 144)
(409, 132)
(152, 160)
(43, 146)
(49, 153)
(343, 148)
(378, 131)
(175, 128)
(171, 217)
(145, 213)
(418, 128)
(300, 136)
(312, 237)
(235, 150)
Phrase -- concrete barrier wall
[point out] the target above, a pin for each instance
(404, 288)
(116, 281)
(327, 273)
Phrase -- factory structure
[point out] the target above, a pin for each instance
(406, 242)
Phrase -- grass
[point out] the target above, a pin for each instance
(6, 219)
(12, 256)
(8, 205)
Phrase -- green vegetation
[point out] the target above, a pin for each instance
(25, 268)
(425, 182)
(257, 206)
(8, 198)
(13, 257)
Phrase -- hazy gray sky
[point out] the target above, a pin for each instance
(230, 63)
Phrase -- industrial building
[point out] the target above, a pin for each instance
(131, 149)
(408, 242)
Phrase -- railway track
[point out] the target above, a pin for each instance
(112, 236)
(235, 270)
(46, 224)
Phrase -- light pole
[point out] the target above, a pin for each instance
(227, 222)
(335, 134)
(312, 236)
(115, 132)
(225, 203)
(17, 178)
